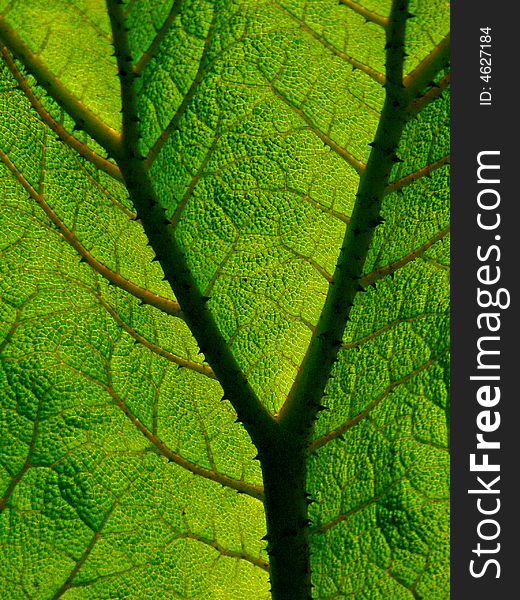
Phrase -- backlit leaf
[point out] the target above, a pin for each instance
(236, 141)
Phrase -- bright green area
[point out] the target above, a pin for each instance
(259, 115)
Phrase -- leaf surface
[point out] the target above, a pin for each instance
(120, 463)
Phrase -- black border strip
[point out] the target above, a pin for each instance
(476, 128)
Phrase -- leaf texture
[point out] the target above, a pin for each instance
(120, 463)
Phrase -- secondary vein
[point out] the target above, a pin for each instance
(146, 296)
(104, 135)
(98, 161)
(303, 401)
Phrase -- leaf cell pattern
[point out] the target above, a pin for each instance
(178, 205)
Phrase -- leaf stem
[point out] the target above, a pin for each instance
(257, 562)
(256, 419)
(303, 402)
(284, 463)
(286, 507)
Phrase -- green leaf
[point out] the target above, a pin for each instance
(218, 219)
